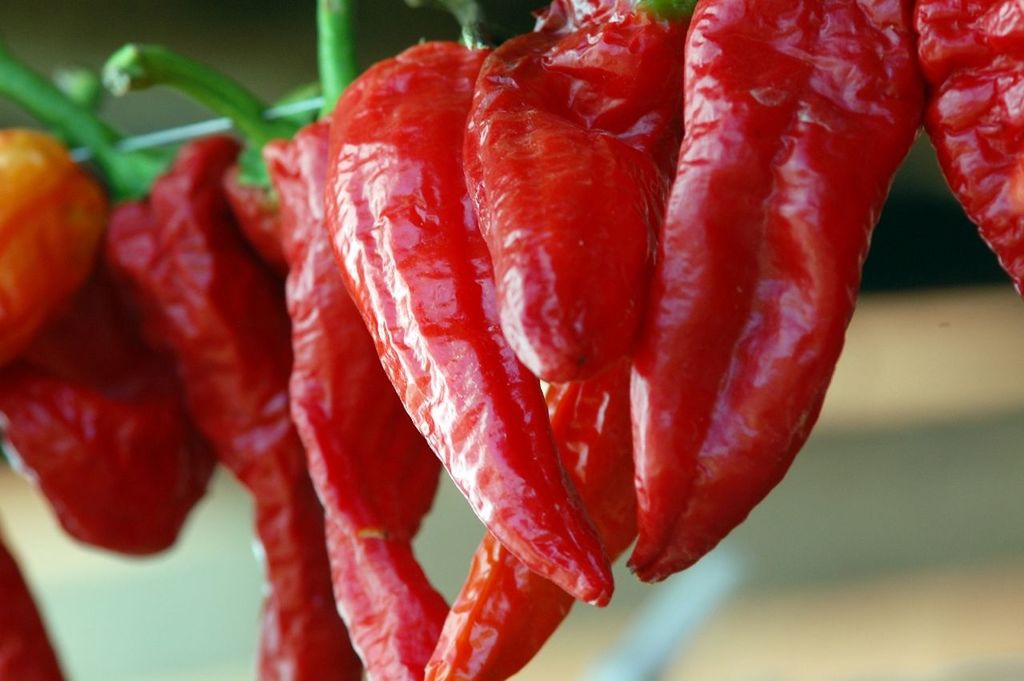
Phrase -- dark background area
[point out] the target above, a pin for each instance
(923, 241)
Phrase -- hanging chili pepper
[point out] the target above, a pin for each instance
(972, 54)
(504, 613)
(246, 185)
(259, 217)
(371, 467)
(569, 153)
(417, 269)
(93, 413)
(222, 316)
(25, 650)
(95, 419)
(52, 216)
(797, 116)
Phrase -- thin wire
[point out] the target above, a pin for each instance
(163, 138)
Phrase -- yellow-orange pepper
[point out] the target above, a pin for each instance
(52, 215)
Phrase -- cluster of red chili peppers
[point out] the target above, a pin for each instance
(662, 211)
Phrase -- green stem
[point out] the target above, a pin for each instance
(669, 9)
(129, 175)
(135, 67)
(335, 49)
(81, 85)
(468, 13)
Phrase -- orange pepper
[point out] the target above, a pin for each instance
(52, 215)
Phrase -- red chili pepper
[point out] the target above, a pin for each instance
(569, 153)
(371, 467)
(25, 650)
(223, 317)
(972, 53)
(797, 116)
(418, 270)
(95, 419)
(259, 217)
(505, 613)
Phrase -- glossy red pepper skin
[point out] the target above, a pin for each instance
(505, 613)
(797, 116)
(221, 314)
(569, 154)
(372, 469)
(258, 213)
(96, 420)
(418, 270)
(25, 650)
(972, 53)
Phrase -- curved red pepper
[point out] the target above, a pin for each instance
(222, 316)
(504, 613)
(373, 470)
(418, 270)
(797, 116)
(25, 650)
(569, 154)
(972, 52)
(95, 419)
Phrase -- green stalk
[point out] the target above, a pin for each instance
(81, 85)
(669, 9)
(470, 16)
(128, 175)
(336, 50)
(136, 67)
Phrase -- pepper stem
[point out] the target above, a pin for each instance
(669, 9)
(81, 85)
(470, 16)
(335, 49)
(135, 67)
(128, 175)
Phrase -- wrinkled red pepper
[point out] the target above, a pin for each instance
(797, 116)
(222, 316)
(258, 213)
(504, 613)
(95, 419)
(373, 470)
(25, 650)
(569, 154)
(418, 270)
(972, 53)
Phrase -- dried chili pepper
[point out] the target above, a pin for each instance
(246, 185)
(373, 470)
(972, 53)
(93, 413)
(569, 153)
(505, 613)
(52, 216)
(259, 217)
(25, 650)
(797, 116)
(95, 419)
(223, 317)
(418, 270)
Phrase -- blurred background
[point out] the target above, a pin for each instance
(893, 550)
